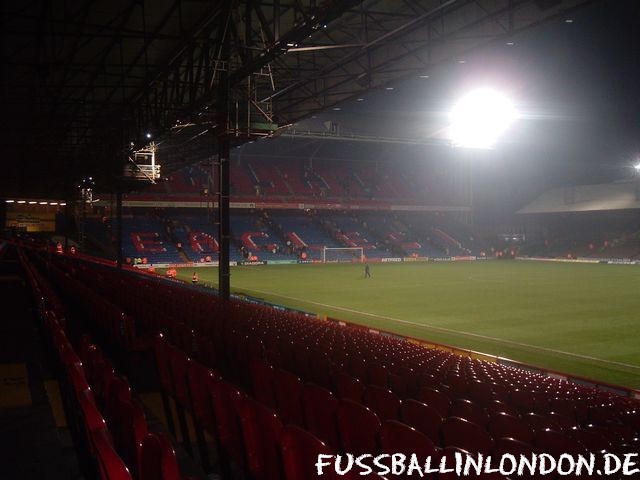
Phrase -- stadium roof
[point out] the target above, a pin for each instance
(587, 198)
(84, 78)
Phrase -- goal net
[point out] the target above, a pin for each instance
(346, 254)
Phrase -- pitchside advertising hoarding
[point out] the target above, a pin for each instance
(308, 261)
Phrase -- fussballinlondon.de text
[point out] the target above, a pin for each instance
(464, 465)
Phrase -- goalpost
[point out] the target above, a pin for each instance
(345, 254)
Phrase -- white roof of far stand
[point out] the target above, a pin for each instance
(587, 198)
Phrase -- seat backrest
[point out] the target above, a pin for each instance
(158, 459)
(118, 390)
(435, 399)
(503, 425)
(110, 465)
(461, 433)
(179, 366)
(261, 429)
(422, 417)
(457, 385)
(262, 376)
(227, 402)
(556, 443)
(513, 446)
(162, 362)
(540, 422)
(320, 368)
(469, 410)
(300, 450)
(378, 375)
(358, 368)
(396, 437)
(348, 387)
(590, 440)
(320, 408)
(383, 402)
(497, 406)
(358, 427)
(523, 400)
(129, 432)
(199, 379)
(481, 393)
(288, 389)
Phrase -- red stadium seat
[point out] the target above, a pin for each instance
(358, 368)
(130, 432)
(158, 459)
(469, 410)
(383, 402)
(422, 417)
(458, 432)
(481, 393)
(436, 400)
(320, 408)
(590, 440)
(199, 381)
(227, 402)
(300, 450)
(523, 400)
(358, 427)
(179, 364)
(262, 382)
(320, 368)
(497, 406)
(540, 422)
(110, 465)
(288, 394)
(348, 387)
(261, 429)
(556, 443)
(503, 425)
(396, 437)
(457, 386)
(378, 375)
(117, 391)
(562, 422)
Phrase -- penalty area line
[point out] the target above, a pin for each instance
(449, 330)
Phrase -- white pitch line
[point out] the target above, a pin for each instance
(448, 330)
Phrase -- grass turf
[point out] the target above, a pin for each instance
(581, 319)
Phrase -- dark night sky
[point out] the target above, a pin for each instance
(576, 84)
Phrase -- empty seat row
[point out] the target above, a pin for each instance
(107, 425)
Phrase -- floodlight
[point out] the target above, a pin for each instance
(10, 201)
(637, 167)
(32, 202)
(480, 117)
(22, 201)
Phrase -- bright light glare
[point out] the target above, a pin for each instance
(637, 167)
(479, 118)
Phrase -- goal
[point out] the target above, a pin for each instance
(346, 254)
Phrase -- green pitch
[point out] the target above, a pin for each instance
(576, 318)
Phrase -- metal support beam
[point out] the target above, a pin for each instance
(222, 133)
